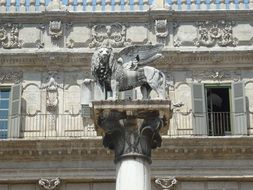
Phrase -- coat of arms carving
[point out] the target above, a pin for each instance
(113, 35)
(55, 29)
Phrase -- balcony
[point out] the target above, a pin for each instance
(215, 124)
(45, 126)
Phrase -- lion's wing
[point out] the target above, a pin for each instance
(139, 53)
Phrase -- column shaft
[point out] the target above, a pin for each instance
(133, 174)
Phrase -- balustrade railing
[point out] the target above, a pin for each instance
(76, 126)
(189, 5)
(26, 6)
(214, 124)
(33, 6)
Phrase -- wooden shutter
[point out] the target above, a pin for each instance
(239, 123)
(199, 109)
(15, 111)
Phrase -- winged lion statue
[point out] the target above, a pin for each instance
(128, 69)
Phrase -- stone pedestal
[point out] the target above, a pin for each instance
(132, 129)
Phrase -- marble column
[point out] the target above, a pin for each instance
(131, 129)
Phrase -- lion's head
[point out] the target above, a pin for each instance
(101, 64)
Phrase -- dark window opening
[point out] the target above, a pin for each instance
(218, 111)
(4, 109)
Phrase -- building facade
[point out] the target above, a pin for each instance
(48, 142)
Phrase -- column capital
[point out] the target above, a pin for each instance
(132, 128)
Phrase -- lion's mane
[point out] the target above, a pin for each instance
(96, 62)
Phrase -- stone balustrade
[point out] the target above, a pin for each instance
(189, 5)
(27, 6)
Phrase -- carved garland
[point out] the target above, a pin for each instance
(9, 36)
(212, 33)
(113, 35)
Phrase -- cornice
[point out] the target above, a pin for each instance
(192, 148)
(173, 59)
(171, 15)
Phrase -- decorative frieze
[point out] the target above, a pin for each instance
(9, 36)
(49, 184)
(113, 35)
(166, 183)
(215, 33)
(13, 77)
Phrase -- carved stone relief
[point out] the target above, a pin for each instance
(9, 36)
(52, 94)
(216, 75)
(215, 33)
(166, 183)
(161, 28)
(13, 77)
(52, 100)
(55, 29)
(49, 184)
(113, 35)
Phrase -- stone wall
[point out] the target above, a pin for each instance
(208, 47)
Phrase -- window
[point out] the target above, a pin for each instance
(219, 109)
(4, 110)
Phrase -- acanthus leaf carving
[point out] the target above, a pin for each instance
(113, 35)
(49, 184)
(9, 36)
(212, 33)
